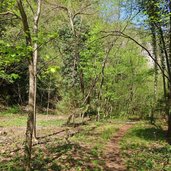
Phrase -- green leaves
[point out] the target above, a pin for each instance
(53, 69)
(8, 77)
(9, 56)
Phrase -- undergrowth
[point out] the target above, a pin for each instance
(144, 149)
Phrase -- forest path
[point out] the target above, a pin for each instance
(112, 154)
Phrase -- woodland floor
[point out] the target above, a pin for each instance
(94, 146)
(112, 151)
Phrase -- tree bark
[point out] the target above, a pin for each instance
(35, 57)
(48, 97)
(169, 129)
(154, 44)
(32, 58)
(29, 129)
(169, 95)
(103, 69)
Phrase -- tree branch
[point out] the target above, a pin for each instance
(119, 33)
(25, 22)
(30, 6)
(57, 5)
(9, 13)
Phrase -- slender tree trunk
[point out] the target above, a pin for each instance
(76, 55)
(164, 79)
(169, 95)
(103, 69)
(30, 120)
(48, 98)
(154, 44)
(81, 74)
(103, 79)
(29, 129)
(20, 101)
(164, 68)
(32, 80)
(168, 104)
(35, 57)
(163, 44)
(169, 127)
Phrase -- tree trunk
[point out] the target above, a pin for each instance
(169, 95)
(168, 104)
(48, 97)
(81, 74)
(30, 120)
(155, 49)
(103, 70)
(32, 79)
(169, 129)
(29, 129)
(35, 56)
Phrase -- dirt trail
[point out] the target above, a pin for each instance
(112, 156)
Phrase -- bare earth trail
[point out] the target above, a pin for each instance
(112, 155)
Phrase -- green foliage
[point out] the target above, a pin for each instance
(10, 55)
(81, 63)
(71, 47)
(144, 148)
(70, 62)
(14, 110)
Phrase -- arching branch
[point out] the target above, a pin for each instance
(119, 33)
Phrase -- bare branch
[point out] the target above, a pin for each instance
(81, 10)
(37, 16)
(82, 13)
(7, 13)
(30, 6)
(57, 5)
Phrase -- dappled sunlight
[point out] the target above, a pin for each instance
(85, 85)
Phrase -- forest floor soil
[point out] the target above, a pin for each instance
(51, 129)
(112, 153)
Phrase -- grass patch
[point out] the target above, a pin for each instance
(11, 120)
(96, 134)
(144, 149)
(108, 133)
(47, 123)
